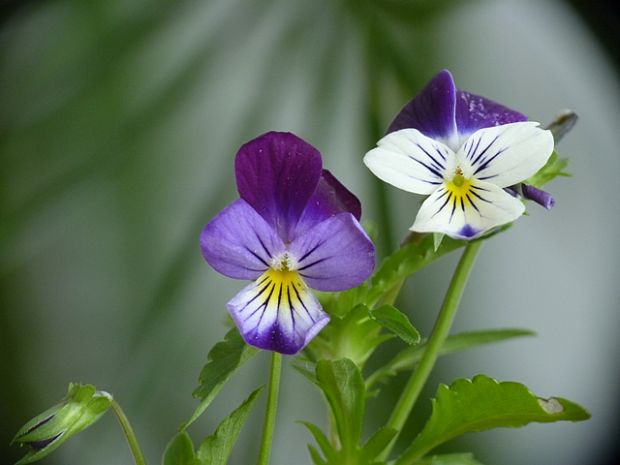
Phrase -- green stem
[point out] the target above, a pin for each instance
(436, 340)
(129, 434)
(272, 407)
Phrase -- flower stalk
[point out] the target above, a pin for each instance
(437, 338)
(132, 440)
(272, 407)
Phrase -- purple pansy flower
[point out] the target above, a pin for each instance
(295, 227)
(464, 151)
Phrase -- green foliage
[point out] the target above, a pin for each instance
(378, 442)
(481, 404)
(343, 386)
(408, 358)
(419, 251)
(396, 322)
(354, 336)
(222, 361)
(449, 459)
(216, 449)
(180, 451)
(82, 406)
(554, 167)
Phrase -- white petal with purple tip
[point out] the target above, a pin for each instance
(467, 212)
(409, 160)
(278, 312)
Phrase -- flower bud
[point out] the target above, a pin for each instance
(82, 406)
(542, 198)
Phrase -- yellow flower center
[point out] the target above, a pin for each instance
(459, 189)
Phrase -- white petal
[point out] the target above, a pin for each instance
(469, 212)
(409, 160)
(508, 154)
(278, 312)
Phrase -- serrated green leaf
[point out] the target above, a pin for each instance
(321, 440)
(408, 358)
(484, 403)
(216, 449)
(449, 459)
(377, 442)
(397, 322)
(222, 361)
(180, 451)
(343, 386)
(554, 167)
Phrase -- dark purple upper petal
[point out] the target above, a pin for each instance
(334, 255)
(329, 199)
(277, 173)
(473, 112)
(441, 111)
(239, 243)
(431, 111)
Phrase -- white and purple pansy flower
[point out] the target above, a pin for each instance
(468, 154)
(295, 227)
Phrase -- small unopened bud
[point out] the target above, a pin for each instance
(82, 407)
(539, 196)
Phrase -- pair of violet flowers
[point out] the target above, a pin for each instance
(296, 226)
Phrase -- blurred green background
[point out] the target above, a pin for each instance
(119, 121)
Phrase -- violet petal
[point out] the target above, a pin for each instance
(329, 199)
(334, 255)
(239, 243)
(441, 111)
(431, 111)
(474, 112)
(276, 174)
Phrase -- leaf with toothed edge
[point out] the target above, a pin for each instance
(409, 357)
(216, 449)
(484, 403)
(222, 361)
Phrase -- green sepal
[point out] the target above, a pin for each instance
(484, 403)
(396, 322)
(343, 386)
(449, 459)
(222, 361)
(216, 449)
(355, 336)
(82, 406)
(180, 451)
(409, 357)
(437, 240)
(315, 456)
(554, 167)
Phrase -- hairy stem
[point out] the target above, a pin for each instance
(129, 434)
(436, 340)
(272, 407)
